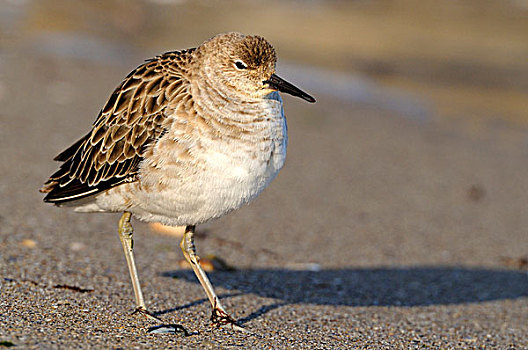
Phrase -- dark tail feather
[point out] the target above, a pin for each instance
(72, 180)
(75, 190)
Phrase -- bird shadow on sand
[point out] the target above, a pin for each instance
(402, 286)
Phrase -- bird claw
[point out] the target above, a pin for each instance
(221, 319)
(147, 314)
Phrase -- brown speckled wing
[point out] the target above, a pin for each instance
(130, 121)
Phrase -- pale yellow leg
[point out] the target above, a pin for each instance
(219, 316)
(125, 235)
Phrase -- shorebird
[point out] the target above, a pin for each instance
(187, 137)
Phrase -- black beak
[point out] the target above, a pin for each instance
(282, 85)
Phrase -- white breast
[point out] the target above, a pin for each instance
(237, 171)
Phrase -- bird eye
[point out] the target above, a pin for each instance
(240, 65)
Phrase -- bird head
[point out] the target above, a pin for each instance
(244, 65)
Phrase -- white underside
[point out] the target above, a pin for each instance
(222, 175)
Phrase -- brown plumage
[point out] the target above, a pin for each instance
(128, 124)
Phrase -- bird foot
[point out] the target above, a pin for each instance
(142, 311)
(221, 319)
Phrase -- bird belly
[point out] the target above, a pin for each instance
(207, 185)
(224, 183)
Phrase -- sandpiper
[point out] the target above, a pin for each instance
(187, 137)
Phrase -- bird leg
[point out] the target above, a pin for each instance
(125, 235)
(219, 317)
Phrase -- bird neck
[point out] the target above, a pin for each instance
(224, 102)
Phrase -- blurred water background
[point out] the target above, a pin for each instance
(450, 61)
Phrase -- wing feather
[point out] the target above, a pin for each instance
(130, 121)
